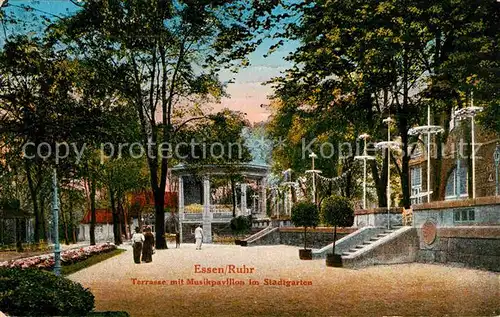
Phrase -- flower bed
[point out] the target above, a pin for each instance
(46, 261)
(193, 208)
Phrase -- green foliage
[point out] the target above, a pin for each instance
(337, 211)
(241, 224)
(33, 292)
(9, 204)
(359, 61)
(305, 214)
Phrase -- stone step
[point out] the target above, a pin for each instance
(359, 246)
(367, 242)
(353, 250)
(346, 254)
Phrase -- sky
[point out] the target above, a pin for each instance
(247, 93)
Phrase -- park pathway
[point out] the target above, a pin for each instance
(413, 289)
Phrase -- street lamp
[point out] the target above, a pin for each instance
(429, 129)
(55, 213)
(313, 171)
(388, 144)
(364, 157)
(462, 114)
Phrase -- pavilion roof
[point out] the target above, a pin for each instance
(248, 169)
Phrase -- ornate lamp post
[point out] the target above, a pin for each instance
(364, 157)
(55, 222)
(462, 114)
(388, 144)
(313, 171)
(496, 157)
(429, 129)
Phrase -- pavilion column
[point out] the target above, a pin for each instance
(263, 204)
(181, 205)
(243, 204)
(207, 215)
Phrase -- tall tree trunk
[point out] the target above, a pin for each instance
(92, 208)
(19, 242)
(71, 224)
(123, 218)
(43, 222)
(116, 223)
(403, 130)
(34, 200)
(405, 167)
(65, 223)
(380, 181)
(160, 218)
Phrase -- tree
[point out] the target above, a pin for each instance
(305, 214)
(361, 61)
(152, 47)
(337, 211)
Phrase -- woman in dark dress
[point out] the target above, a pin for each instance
(147, 248)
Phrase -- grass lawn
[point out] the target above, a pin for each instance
(70, 269)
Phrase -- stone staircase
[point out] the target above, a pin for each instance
(348, 242)
(257, 236)
(369, 242)
(395, 246)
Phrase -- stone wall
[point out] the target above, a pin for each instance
(188, 230)
(445, 238)
(316, 238)
(377, 217)
(475, 247)
(271, 238)
(103, 232)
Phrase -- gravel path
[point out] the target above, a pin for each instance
(403, 290)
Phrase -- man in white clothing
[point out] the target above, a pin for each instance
(198, 235)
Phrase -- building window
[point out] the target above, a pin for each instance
(416, 185)
(464, 215)
(456, 185)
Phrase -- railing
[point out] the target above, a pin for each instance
(195, 213)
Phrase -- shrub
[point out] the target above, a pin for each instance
(32, 292)
(305, 214)
(337, 211)
(241, 224)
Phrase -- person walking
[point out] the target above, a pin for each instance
(147, 249)
(137, 241)
(198, 235)
(177, 240)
